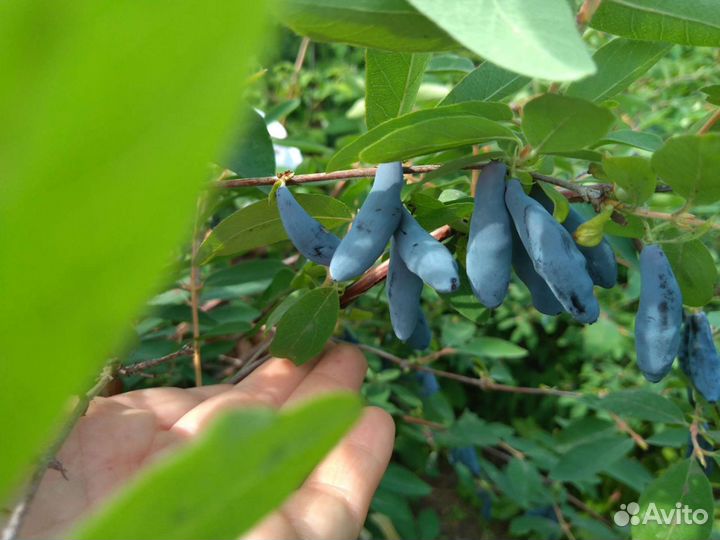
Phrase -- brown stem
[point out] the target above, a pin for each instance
(187, 350)
(707, 126)
(195, 287)
(586, 12)
(299, 61)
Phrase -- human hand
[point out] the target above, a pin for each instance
(119, 435)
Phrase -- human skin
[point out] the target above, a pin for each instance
(120, 435)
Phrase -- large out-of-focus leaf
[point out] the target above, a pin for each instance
(672, 21)
(349, 153)
(537, 39)
(111, 112)
(487, 82)
(690, 164)
(555, 123)
(391, 84)
(259, 224)
(619, 62)
(392, 25)
(250, 460)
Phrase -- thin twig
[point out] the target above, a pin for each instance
(684, 218)
(698, 451)
(247, 369)
(564, 525)
(586, 12)
(299, 61)
(378, 273)
(483, 384)
(49, 459)
(623, 426)
(195, 287)
(707, 126)
(186, 350)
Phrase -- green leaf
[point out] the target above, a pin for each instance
(684, 483)
(392, 25)
(492, 347)
(468, 430)
(108, 124)
(695, 270)
(584, 461)
(269, 455)
(349, 153)
(561, 206)
(391, 84)
(634, 175)
(465, 303)
(450, 63)
(259, 224)
(433, 136)
(636, 139)
(686, 23)
(555, 123)
(619, 63)
(307, 325)
(690, 164)
(643, 405)
(713, 93)
(403, 481)
(487, 82)
(533, 39)
(251, 152)
(630, 472)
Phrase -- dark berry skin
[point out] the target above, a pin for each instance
(703, 363)
(659, 317)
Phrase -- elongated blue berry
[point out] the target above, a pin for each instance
(659, 316)
(554, 254)
(305, 232)
(421, 336)
(403, 290)
(425, 256)
(374, 224)
(542, 297)
(703, 361)
(489, 250)
(601, 263)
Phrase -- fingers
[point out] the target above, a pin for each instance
(269, 386)
(341, 368)
(334, 500)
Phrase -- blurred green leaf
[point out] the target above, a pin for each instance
(619, 63)
(636, 139)
(697, 279)
(450, 63)
(634, 175)
(630, 472)
(434, 135)
(713, 93)
(487, 82)
(690, 164)
(257, 273)
(555, 123)
(251, 151)
(492, 347)
(684, 483)
(109, 122)
(403, 481)
(259, 224)
(391, 84)
(381, 24)
(584, 461)
(641, 404)
(269, 455)
(537, 40)
(484, 110)
(686, 23)
(306, 326)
